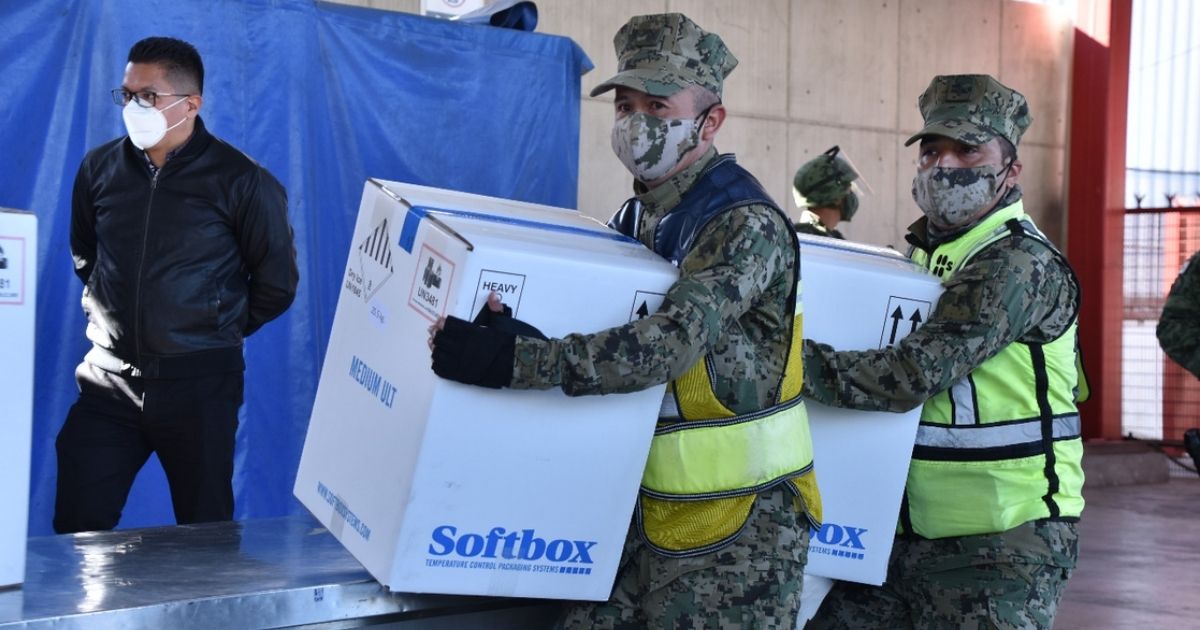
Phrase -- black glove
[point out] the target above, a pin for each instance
(480, 352)
(505, 322)
(476, 355)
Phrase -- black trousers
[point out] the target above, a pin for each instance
(119, 421)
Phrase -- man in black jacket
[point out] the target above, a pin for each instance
(184, 248)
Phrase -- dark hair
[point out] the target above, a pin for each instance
(703, 98)
(177, 57)
(1008, 152)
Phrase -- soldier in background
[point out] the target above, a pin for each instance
(1179, 326)
(711, 554)
(1179, 334)
(987, 534)
(823, 190)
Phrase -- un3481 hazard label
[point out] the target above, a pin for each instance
(431, 284)
(12, 270)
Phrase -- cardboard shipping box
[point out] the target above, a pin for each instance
(440, 487)
(18, 301)
(859, 297)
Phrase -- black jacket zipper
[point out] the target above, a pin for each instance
(137, 297)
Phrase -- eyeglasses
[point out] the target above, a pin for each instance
(145, 98)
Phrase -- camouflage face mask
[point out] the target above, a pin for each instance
(650, 146)
(951, 197)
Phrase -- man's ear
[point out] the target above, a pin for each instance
(713, 122)
(194, 103)
(1014, 172)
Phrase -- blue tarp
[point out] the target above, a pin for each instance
(324, 96)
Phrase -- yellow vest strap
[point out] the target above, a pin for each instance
(708, 459)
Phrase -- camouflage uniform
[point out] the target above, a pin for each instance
(1014, 290)
(1179, 325)
(810, 223)
(753, 584)
(730, 302)
(1017, 289)
(1014, 580)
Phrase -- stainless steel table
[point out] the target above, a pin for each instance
(268, 573)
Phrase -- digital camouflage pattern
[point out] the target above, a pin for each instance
(664, 53)
(810, 223)
(1015, 290)
(824, 182)
(641, 141)
(954, 195)
(1012, 580)
(972, 108)
(1179, 326)
(730, 302)
(753, 584)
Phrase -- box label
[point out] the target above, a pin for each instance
(431, 284)
(901, 317)
(367, 272)
(378, 315)
(645, 303)
(12, 270)
(341, 509)
(375, 259)
(374, 383)
(509, 286)
(501, 549)
(838, 540)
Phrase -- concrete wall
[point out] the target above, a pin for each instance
(815, 73)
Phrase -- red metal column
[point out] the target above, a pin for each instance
(1095, 211)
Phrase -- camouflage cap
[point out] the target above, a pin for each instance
(663, 53)
(972, 108)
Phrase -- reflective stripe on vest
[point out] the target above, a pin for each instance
(995, 435)
(962, 394)
(761, 450)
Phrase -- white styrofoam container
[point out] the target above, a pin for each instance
(859, 297)
(18, 301)
(439, 487)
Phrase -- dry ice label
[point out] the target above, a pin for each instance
(509, 286)
(901, 317)
(372, 265)
(645, 303)
(12, 270)
(431, 284)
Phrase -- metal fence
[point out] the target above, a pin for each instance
(1159, 399)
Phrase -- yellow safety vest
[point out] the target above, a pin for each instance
(707, 464)
(1002, 446)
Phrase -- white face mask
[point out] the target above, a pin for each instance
(147, 126)
(650, 146)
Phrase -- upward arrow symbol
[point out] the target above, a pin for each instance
(897, 315)
(642, 311)
(915, 319)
